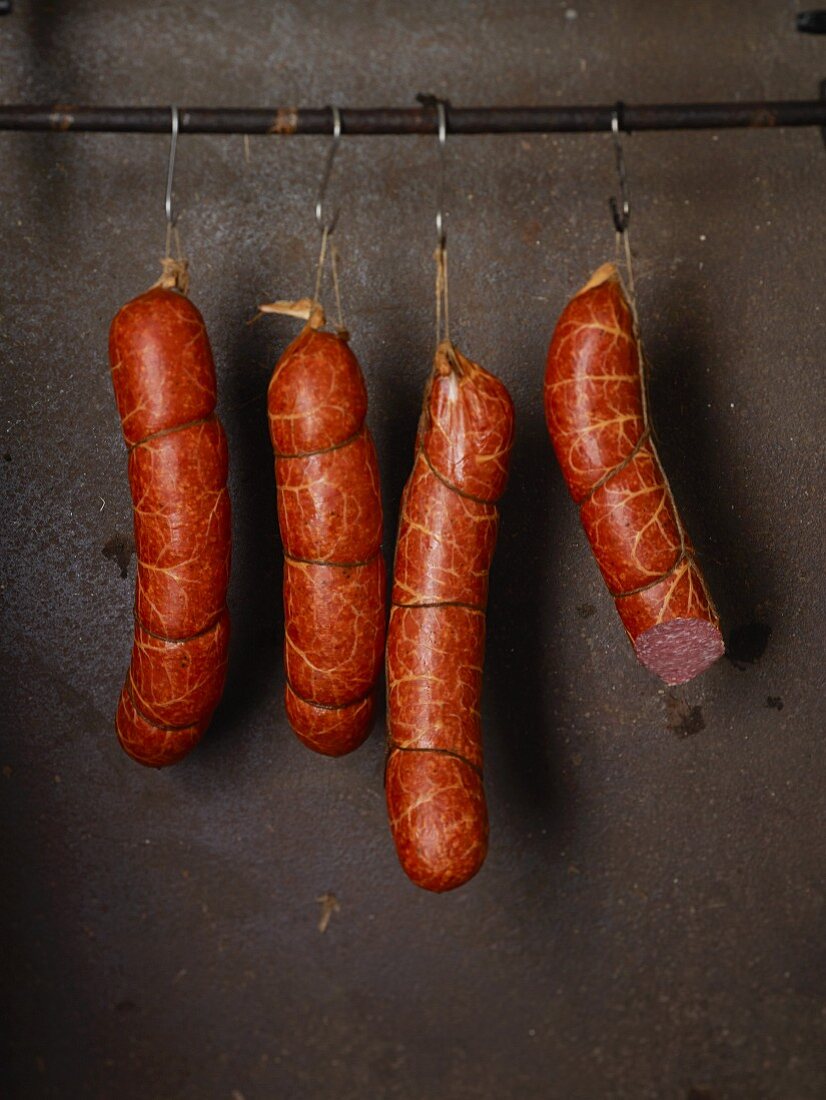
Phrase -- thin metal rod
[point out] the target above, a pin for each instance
(416, 120)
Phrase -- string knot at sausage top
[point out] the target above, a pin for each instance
(467, 427)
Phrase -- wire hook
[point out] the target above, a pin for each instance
(441, 234)
(620, 212)
(170, 171)
(328, 227)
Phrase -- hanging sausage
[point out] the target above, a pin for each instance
(330, 518)
(164, 381)
(436, 637)
(597, 413)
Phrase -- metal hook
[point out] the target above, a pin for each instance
(440, 105)
(170, 171)
(621, 214)
(441, 235)
(325, 179)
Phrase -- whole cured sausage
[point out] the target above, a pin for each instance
(595, 405)
(330, 517)
(436, 637)
(164, 382)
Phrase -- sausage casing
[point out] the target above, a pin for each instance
(436, 638)
(596, 410)
(164, 381)
(330, 518)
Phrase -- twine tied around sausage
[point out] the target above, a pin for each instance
(326, 233)
(311, 309)
(621, 211)
(440, 255)
(648, 428)
(621, 216)
(174, 269)
(442, 298)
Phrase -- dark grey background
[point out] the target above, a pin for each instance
(650, 921)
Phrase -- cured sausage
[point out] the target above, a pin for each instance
(436, 637)
(330, 517)
(595, 406)
(164, 382)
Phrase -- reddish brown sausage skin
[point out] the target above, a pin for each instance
(164, 382)
(329, 513)
(595, 405)
(436, 638)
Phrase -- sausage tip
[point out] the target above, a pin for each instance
(438, 817)
(152, 745)
(331, 731)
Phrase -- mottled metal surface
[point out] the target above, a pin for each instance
(650, 921)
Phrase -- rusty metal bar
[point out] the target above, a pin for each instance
(65, 118)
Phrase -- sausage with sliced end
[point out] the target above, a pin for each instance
(164, 381)
(597, 414)
(436, 637)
